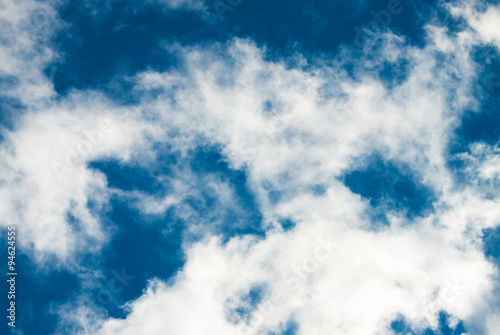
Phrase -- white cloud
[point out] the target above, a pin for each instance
(290, 128)
(45, 178)
(485, 20)
(26, 29)
(493, 324)
(182, 4)
(435, 263)
(363, 285)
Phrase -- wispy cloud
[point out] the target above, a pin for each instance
(286, 128)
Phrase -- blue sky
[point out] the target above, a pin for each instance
(251, 167)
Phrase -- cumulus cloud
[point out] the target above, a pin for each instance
(24, 48)
(47, 187)
(369, 277)
(483, 19)
(289, 127)
(276, 123)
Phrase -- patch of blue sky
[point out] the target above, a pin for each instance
(483, 124)
(394, 74)
(38, 290)
(246, 305)
(128, 177)
(318, 190)
(163, 234)
(141, 249)
(491, 244)
(287, 224)
(120, 41)
(137, 253)
(400, 327)
(491, 249)
(10, 110)
(390, 187)
(317, 26)
(290, 328)
(209, 160)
